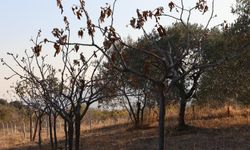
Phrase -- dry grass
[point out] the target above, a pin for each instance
(8, 139)
(219, 118)
(212, 128)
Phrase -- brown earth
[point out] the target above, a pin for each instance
(208, 132)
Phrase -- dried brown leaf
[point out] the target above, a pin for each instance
(171, 5)
(76, 47)
(132, 22)
(80, 33)
(57, 48)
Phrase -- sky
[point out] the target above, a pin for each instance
(21, 19)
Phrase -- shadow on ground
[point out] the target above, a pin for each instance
(119, 137)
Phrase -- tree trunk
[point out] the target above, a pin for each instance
(55, 133)
(138, 115)
(134, 120)
(193, 112)
(35, 129)
(161, 118)
(228, 111)
(30, 119)
(70, 135)
(40, 133)
(51, 133)
(182, 111)
(66, 135)
(143, 108)
(47, 127)
(142, 115)
(77, 131)
(24, 130)
(3, 128)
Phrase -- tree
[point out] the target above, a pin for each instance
(17, 104)
(168, 76)
(3, 101)
(129, 92)
(231, 79)
(186, 54)
(28, 94)
(68, 92)
(162, 80)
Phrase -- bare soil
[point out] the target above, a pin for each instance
(121, 138)
(220, 132)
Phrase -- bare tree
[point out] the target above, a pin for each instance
(69, 92)
(167, 76)
(30, 96)
(77, 91)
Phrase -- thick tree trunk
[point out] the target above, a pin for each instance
(66, 135)
(181, 122)
(77, 132)
(55, 133)
(70, 135)
(161, 119)
(51, 133)
(78, 117)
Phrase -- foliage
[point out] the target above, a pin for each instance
(164, 64)
(3, 101)
(229, 81)
(12, 111)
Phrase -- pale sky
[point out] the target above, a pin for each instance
(21, 19)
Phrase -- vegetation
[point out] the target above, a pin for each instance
(12, 111)
(211, 128)
(229, 81)
(170, 64)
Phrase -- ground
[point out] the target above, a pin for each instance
(207, 132)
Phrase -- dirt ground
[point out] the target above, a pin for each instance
(205, 133)
(234, 138)
(121, 138)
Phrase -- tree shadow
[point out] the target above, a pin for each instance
(210, 117)
(119, 137)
